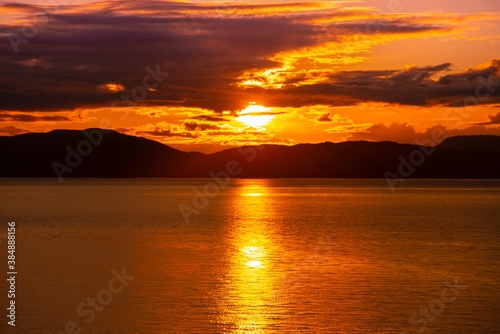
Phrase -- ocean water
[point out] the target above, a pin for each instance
(255, 256)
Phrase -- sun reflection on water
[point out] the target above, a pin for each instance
(252, 293)
(253, 194)
(254, 256)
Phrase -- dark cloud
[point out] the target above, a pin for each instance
(405, 133)
(31, 118)
(494, 119)
(417, 74)
(12, 131)
(264, 113)
(414, 86)
(385, 26)
(82, 48)
(210, 118)
(167, 133)
(60, 70)
(324, 118)
(402, 133)
(193, 126)
(124, 130)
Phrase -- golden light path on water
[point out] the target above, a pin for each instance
(253, 289)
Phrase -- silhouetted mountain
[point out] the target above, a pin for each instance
(88, 153)
(93, 153)
(472, 142)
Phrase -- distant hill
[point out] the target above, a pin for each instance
(115, 155)
(472, 142)
(93, 153)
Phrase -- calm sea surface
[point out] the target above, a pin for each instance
(258, 256)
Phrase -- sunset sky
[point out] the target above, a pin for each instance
(250, 72)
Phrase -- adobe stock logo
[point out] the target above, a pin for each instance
(74, 157)
(95, 137)
(48, 9)
(103, 298)
(219, 181)
(435, 308)
(417, 157)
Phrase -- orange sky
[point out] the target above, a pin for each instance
(249, 73)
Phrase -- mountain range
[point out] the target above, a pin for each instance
(104, 153)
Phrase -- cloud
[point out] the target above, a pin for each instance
(12, 131)
(405, 133)
(193, 126)
(402, 133)
(24, 117)
(166, 133)
(123, 130)
(207, 58)
(473, 130)
(415, 86)
(324, 118)
(494, 119)
(210, 118)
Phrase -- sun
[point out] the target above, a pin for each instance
(255, 115)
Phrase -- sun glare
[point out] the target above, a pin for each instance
(253, 194)
(255, 115)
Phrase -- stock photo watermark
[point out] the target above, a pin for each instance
(95, 137)
(92, 305)
(408, 165)
(11, 273)
(311, 265)
(426, 315)
(219, 181)
(37, 21)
